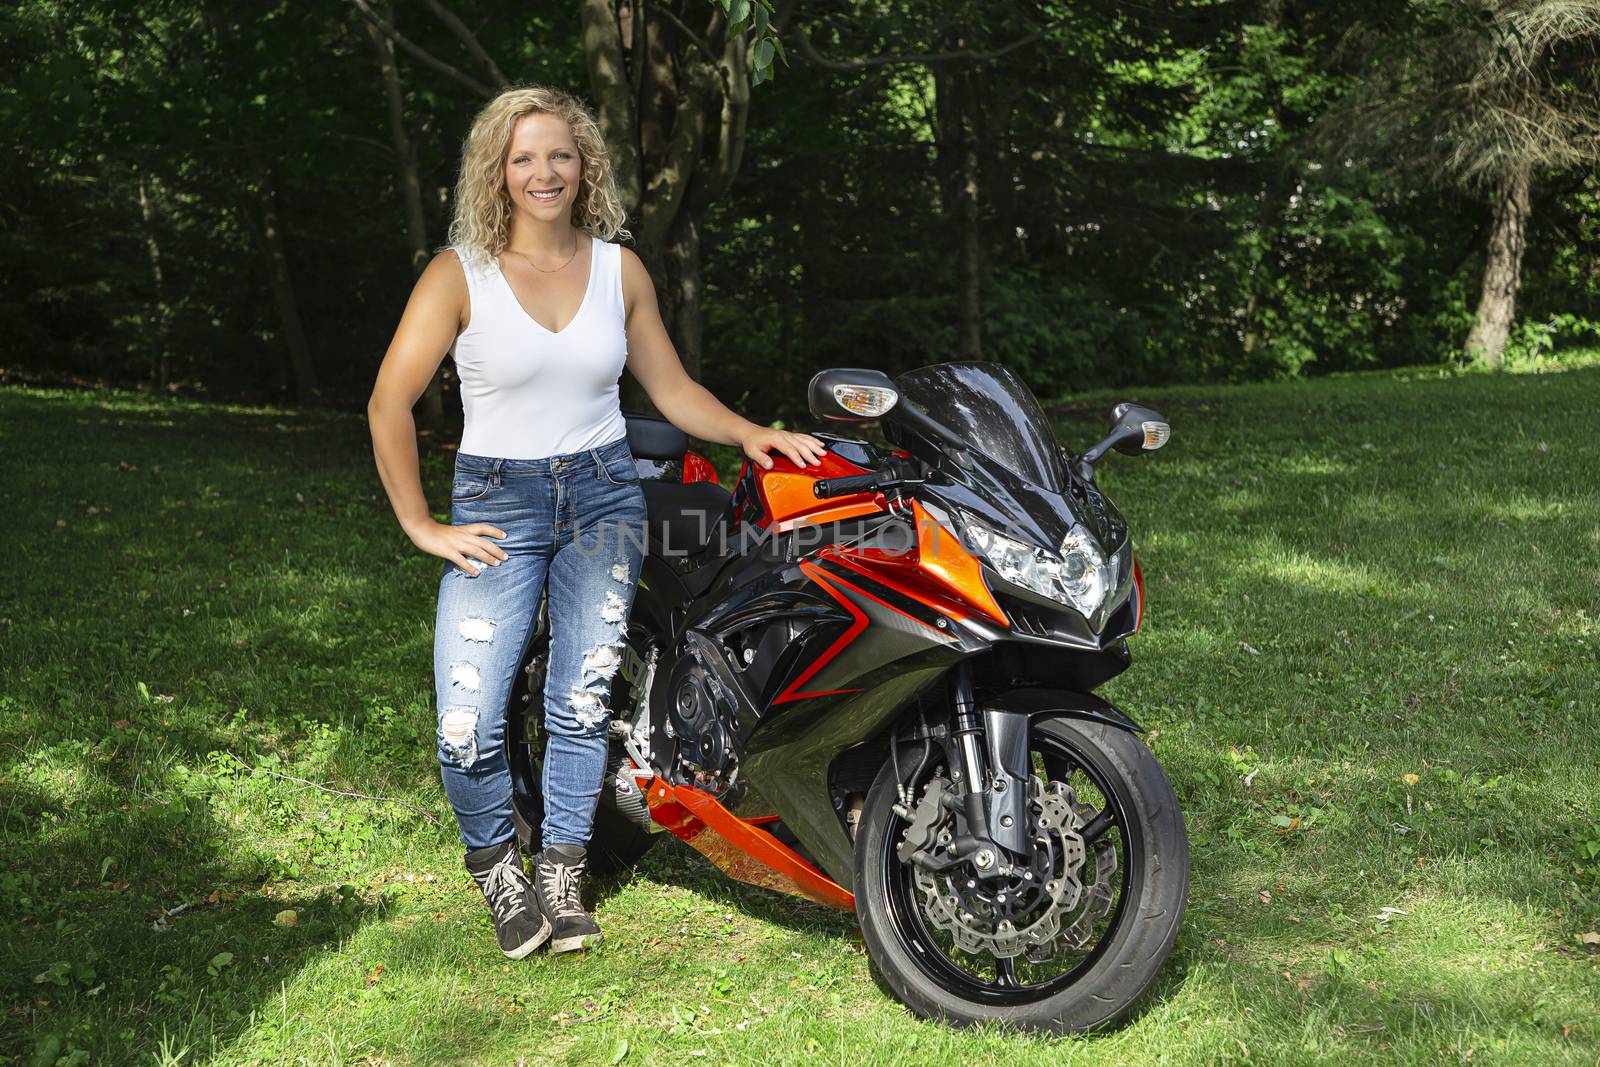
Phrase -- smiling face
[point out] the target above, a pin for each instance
(543, 168)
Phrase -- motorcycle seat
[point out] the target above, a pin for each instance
(650, 437)
(685, 518)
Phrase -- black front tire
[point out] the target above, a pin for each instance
(1140, 933)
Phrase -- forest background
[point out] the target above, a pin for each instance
(228, 200)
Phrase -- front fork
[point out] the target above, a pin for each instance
(989, 778)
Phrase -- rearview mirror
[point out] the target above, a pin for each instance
(848, 394)
(1134, 429)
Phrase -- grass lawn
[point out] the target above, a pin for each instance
(1369, 666)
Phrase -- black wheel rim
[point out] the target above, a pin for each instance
(981, 978)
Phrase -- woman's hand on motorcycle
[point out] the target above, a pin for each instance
(467, 546)
(803, 449)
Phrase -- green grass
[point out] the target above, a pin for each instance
(1369, 666)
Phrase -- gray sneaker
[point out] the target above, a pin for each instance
(519, 923)
(556, 880)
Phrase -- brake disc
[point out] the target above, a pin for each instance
(1098, 896)
(1022, 911)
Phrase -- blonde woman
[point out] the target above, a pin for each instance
(544, 311)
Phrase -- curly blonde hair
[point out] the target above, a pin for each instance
(482, 221)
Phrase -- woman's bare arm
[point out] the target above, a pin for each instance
(686, 403)
(432, 318)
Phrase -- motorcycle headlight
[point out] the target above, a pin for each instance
(1079, 576)
(1086, 574)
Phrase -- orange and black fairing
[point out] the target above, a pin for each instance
(914, 619)
(812, 621)
(867, 652)
(916, 590)
(786, 498)
(741, 848)
(934, 569)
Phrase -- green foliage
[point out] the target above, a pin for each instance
(1533, 344)
(754, 17)
(1154, 203)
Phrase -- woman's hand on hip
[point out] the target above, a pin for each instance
(465, 546)
(802, 448)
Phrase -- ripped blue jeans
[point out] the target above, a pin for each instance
(574, 523)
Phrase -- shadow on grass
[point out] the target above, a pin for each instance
(98, 963)
(671, 862)
(133, 649)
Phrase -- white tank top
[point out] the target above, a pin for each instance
(528, 393)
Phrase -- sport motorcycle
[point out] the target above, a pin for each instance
(871, 683)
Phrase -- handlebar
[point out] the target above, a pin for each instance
(855, 483)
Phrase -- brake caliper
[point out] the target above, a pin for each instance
(923, 833)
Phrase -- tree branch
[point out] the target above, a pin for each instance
(148, 33)
(694, 38)
(341, 792)
(637, 46)
(733, 69)
(470, 39)
(370, 142)
(808, 50)
(421, 56)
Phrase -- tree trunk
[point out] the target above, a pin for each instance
(969, 262)
(1502, 271)
(672, 106)
(161, 370)
(614, 94)
(956, 154)
(679, 289)
(277, 263)
(999, 175)
(430, 408)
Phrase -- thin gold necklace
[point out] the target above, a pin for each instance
(540, 269)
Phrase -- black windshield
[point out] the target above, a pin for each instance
(990, 409)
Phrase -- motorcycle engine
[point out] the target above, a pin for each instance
(699, 709)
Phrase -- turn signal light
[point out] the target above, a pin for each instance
(868, 401)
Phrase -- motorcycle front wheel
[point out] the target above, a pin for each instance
(949, 951)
